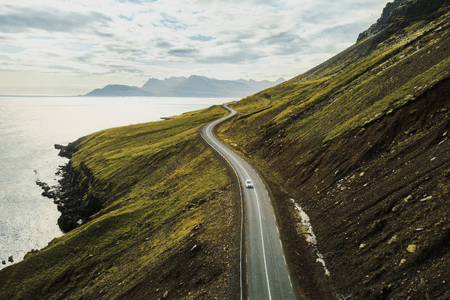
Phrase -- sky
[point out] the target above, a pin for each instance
(70, 47)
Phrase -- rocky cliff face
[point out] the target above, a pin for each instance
(73, 195)
(400, 13)
(381, 23)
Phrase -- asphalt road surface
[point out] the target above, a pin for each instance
(264, 272)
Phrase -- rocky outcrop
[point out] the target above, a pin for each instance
(72, 196)
(30, 253)
(66, 151)
(398, 14)
(381, 23)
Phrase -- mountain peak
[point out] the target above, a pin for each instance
(119, 90)
(197, 77)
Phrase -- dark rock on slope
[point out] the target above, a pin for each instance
(375, 28)
(66, 151)
(399, 14)
(75, 200)
(73, 195)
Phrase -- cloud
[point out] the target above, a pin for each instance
(11, 49)
(285, 43)
(237, 57)
(125, 69)
(86, 58)
(51, 20)
(163, 44)
(201, 38)
(122, 49)
(112, 40)
(62, 68)
(110, 36)
(185, 53)
(172, 22)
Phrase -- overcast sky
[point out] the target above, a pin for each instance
(70, 47)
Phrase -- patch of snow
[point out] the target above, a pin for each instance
(426, 198)
(310, 236)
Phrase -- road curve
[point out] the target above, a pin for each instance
(264, 272)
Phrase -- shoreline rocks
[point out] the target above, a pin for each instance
(72, 195)
(31, 252)
(66, 151)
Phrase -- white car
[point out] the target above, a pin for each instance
(248, 183)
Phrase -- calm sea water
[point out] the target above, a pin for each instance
(29, 128)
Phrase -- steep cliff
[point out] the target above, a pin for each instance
(399, 14)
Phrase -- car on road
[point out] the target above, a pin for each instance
(249, 183)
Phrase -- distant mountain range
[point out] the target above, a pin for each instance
(194, 86)
(119, 91)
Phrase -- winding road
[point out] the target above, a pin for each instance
(264, 271)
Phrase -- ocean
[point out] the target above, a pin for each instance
(29, 128)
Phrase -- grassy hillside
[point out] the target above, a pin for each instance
(169, 213)
(361, 144)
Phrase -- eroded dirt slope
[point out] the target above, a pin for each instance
(378, 198)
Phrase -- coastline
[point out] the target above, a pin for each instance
(168, 220)
(72, 196)
(32, 125)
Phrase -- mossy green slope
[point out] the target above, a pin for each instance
(321, 105)
(160, 188)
